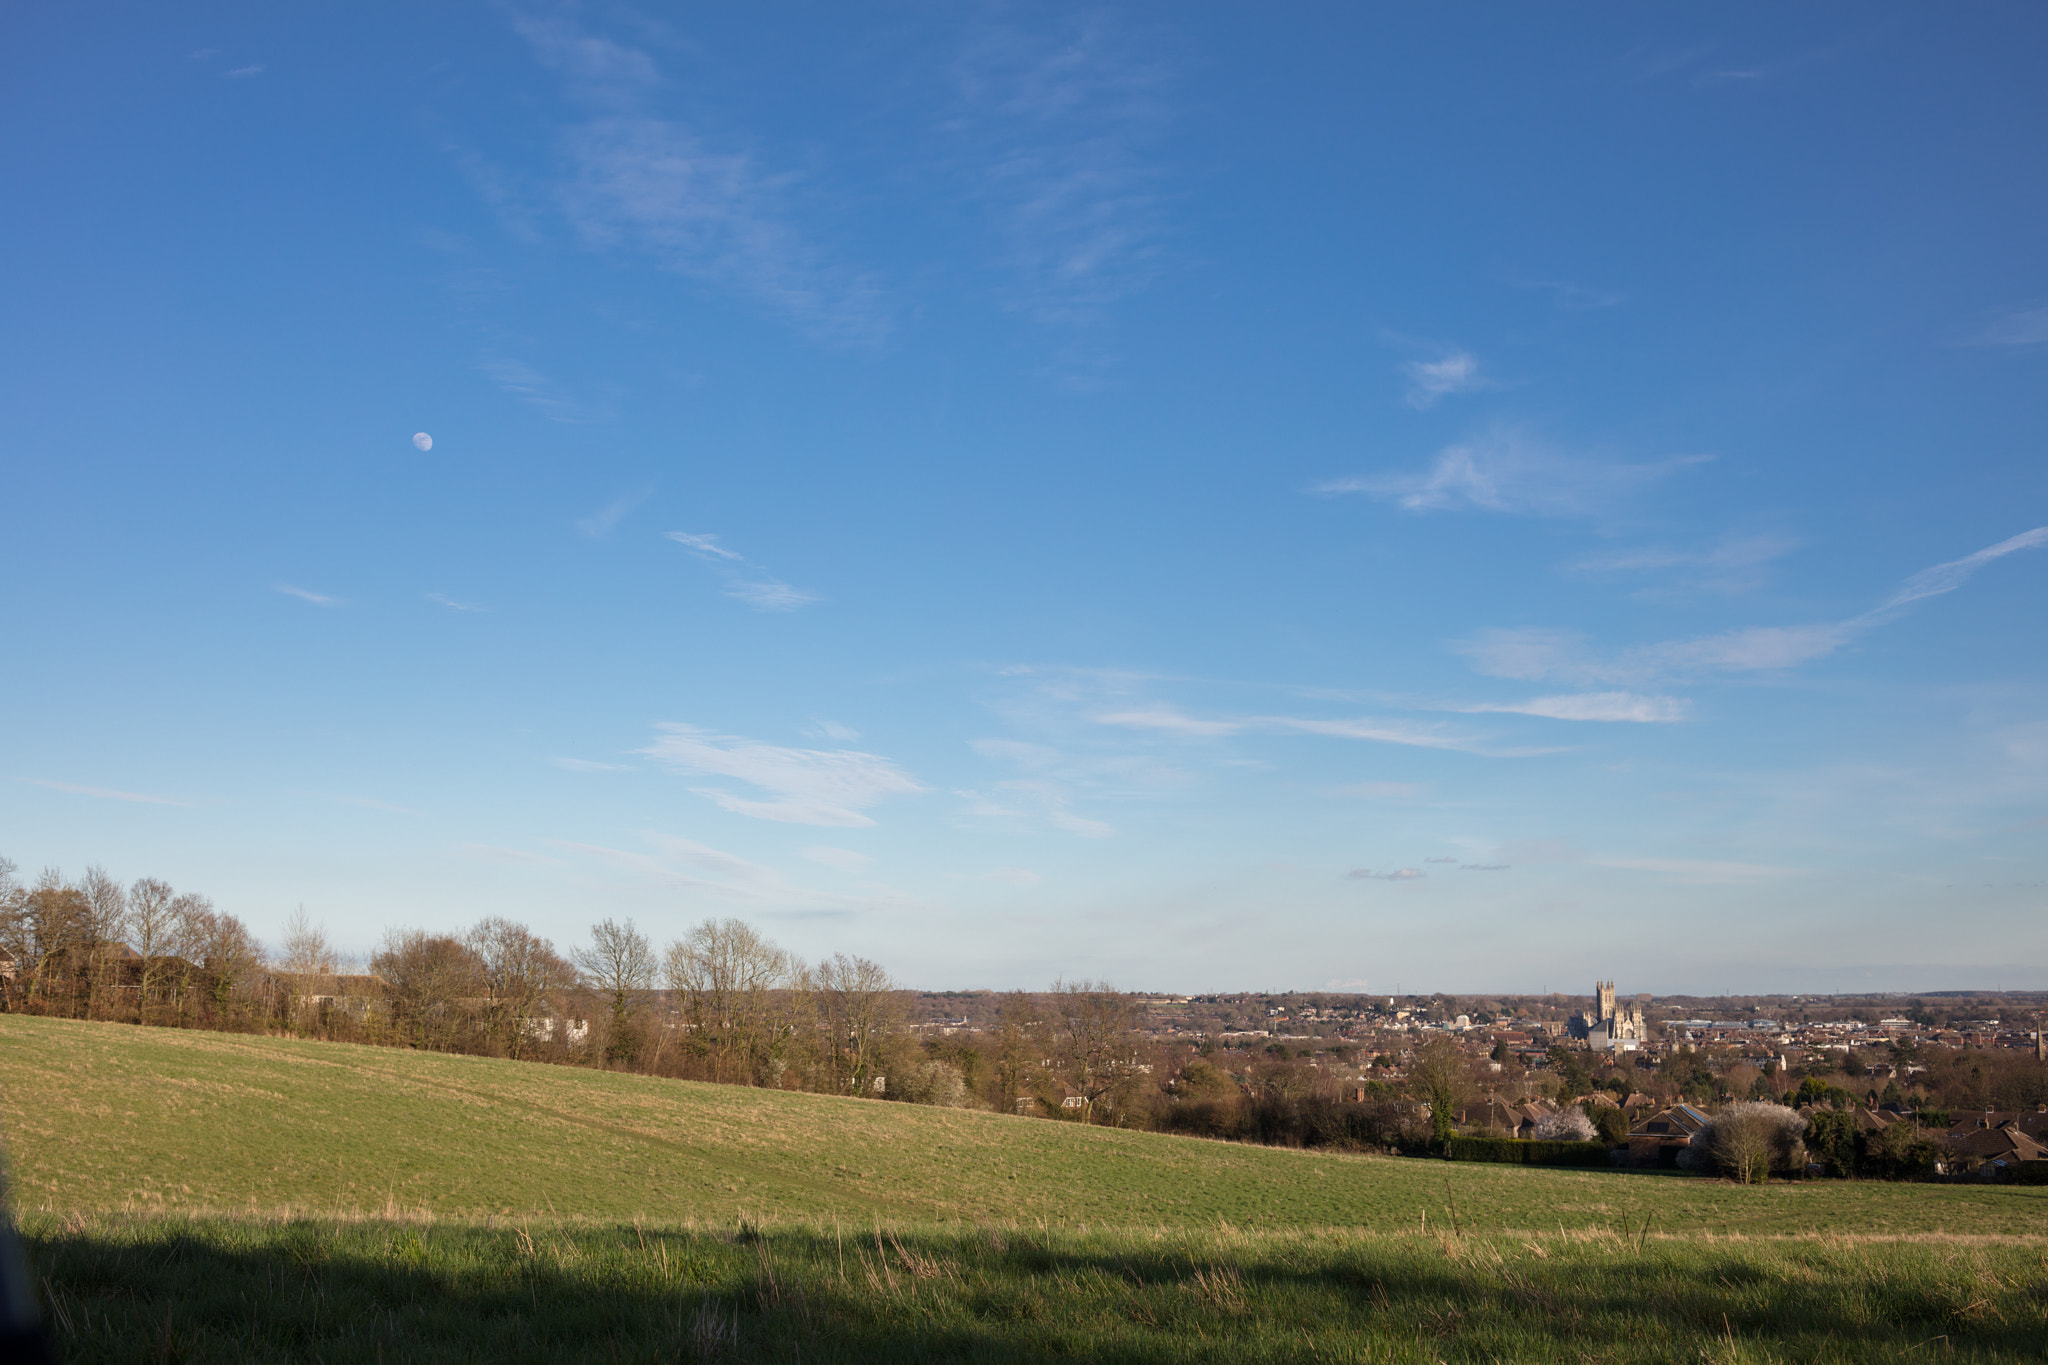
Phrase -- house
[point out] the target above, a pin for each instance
(1658, 1139)
(1996, 1151)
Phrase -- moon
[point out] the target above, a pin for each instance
(422, 441)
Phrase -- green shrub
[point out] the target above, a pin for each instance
(1526, 1151)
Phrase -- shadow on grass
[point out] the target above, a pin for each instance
(125, 1289)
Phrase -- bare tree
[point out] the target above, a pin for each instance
(725, 976)
(42, 928)
(305, 950)
(151, 925)
(229, 952)
(1749, 1140)
(191, 922)
(13, 930)
(106, 922)
(857, 1000)
(520, 974)
(1439, 1077)
(619, 963)
(428, 977)
(1092, 1045)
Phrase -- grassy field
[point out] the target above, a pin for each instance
(203, 1197)
(107, 1116)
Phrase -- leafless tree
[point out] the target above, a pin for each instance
(1092, 1044)
(428, 977)
(520, 975)
(726, 978)
(49, 932)
(191, 922)
(153, 912)
(1749, 1140)
(857, 1002)
(1439, 1077)
(230, 954)
(106, 923)
(619, 963)
(305, 950)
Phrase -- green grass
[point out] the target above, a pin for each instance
(204, 1197)
(107, 1116)
(134, 1287)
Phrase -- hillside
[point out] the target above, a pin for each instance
(107, 1116)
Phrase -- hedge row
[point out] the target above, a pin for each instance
(1526, 1151)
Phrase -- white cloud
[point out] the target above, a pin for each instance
(1952, 575)
(531, 387)
(243, 72)
(822, 727)
(829, 856)
(808, 786)
(1169, 720)
(599, 524)
(1062, 126)
(1060, 818)
(1399, 874)
(305, 595)
(715, 875)
(1537, 655)
(108, 793)
(646, 183)
(1430, 380)
(516, 857)
(1735, 563)
(762, 592)
(443, 599)
(365, 803)
(2021, 327)
(1614, 706)
(769, 594)
(586, 765)
(1503, 471)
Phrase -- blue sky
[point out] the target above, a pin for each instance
(1467, 498)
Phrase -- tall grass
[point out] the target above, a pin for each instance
(125, 1287)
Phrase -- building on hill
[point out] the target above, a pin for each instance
(1612, 1027)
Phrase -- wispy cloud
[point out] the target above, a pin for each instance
(639, 181)
(1399, 874)
(717, 876)
(805, 786)
(109, 793)
(824, 728)
(588, 765)
(1431, 380)
(1422, 735)
(1064, 123)
(1504, 471)
(1574, 297)
(1602, 706)
(305, 595)
(243, 72)
(1536, 654)
(2020, 327)
(533, 388)
(1948, 577)
(1734, 563)
(515, 857)
(599, 524)
(745, 581)
(444, 600)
